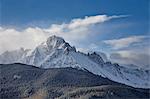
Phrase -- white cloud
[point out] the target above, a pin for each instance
(124, 42)
(91, 20)
(136, 57)
(74, 31)
(89, 48)
(10, 39)
(130, 50)
(79, 28)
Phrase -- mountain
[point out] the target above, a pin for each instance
(13, 56)
(57, 53)
(21, 81)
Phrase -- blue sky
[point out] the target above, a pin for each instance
(24, 12)
(131, 30)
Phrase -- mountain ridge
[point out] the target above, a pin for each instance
(21, 81)
(56, 53)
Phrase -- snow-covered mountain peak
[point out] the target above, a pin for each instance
(57, 53)
(55, 42)
(96, 58)
(101, 54)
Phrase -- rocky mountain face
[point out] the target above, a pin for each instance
(20, 81)
(57, 53)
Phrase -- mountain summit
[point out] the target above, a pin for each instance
(55, 42)
(57, 53)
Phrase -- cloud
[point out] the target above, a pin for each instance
(124, 42)
(135, 57)
(130, 50)
(79, 28)
(91, 20)
(10, 39)
(74, 31)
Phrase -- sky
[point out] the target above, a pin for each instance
(119, 28)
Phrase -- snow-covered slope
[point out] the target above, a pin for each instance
(13, 56)
(56, 53)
